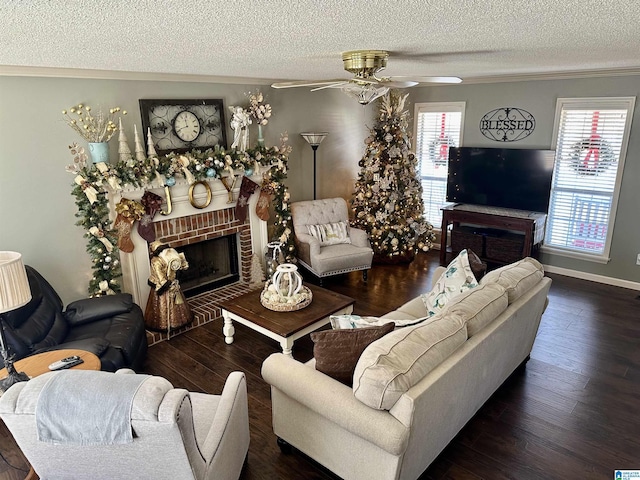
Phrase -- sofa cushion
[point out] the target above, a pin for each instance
(517, 278)
(337, 351)
(479, 306)
(456, 279)
(393, 364)
(330, 233)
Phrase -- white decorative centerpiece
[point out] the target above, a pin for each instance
(285, 292)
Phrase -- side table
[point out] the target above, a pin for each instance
(38, 364)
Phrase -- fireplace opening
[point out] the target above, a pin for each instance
(212, 264)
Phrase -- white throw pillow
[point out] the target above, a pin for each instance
(456, 279)
(330, 233)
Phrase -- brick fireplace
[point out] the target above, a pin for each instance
(188, 224)
(206, 226)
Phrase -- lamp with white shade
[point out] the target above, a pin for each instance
(314, 139)
(14, 293)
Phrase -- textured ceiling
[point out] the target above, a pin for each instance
(302, 40)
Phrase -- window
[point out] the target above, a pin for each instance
(591, 136)
(438, 127)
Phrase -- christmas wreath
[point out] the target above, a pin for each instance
(598, 157)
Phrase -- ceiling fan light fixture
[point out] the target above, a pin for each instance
(364, 94)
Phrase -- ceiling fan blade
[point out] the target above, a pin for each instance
(420, 79)
(391, 82)
(307, 83)
(331, 85)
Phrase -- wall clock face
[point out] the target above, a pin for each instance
(186, 126)
(183, 125)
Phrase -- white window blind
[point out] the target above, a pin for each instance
(591, 141)
(438, 126)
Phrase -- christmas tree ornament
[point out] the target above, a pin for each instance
(247, 187)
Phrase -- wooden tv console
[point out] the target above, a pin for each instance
(526, 231)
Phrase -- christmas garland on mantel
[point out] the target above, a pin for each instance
(91, 186)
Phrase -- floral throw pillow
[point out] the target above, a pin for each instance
(330, 233)
(456, 279)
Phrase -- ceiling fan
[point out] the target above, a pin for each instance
(366, 85)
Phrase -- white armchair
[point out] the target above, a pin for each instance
(325, 260)
(176, 433)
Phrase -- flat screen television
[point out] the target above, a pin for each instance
(500, 177)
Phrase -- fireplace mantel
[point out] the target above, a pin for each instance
(135, 265)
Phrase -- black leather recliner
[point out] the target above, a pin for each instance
(111, 327)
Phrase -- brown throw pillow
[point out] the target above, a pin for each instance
(337, 351)
(478, 267)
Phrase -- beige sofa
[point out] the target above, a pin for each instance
(395, 428)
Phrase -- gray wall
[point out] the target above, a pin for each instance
(539, 98)
(37, 211)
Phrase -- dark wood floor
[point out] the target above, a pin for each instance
(572, 413)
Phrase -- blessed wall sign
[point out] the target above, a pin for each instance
(507, 124)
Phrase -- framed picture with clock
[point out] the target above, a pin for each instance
(182, 125)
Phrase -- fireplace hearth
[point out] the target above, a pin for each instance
(212, 264)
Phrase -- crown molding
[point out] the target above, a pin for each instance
(27, 71)
(568, 75)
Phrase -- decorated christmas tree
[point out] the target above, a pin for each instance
(388, 197)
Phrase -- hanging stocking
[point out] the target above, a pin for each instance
(262, 207)
(152, 204)
(247, 187)
(128, 212)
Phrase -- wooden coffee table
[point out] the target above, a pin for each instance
(285, 327)
(38, 364)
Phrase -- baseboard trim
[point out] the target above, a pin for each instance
(617, 282)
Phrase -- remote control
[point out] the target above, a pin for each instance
(66, 363)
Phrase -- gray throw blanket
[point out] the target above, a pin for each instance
(83, 407)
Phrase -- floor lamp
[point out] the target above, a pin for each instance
(314, 139)
(14, 293)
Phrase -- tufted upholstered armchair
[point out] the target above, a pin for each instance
(323, 261)
(176, 434)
